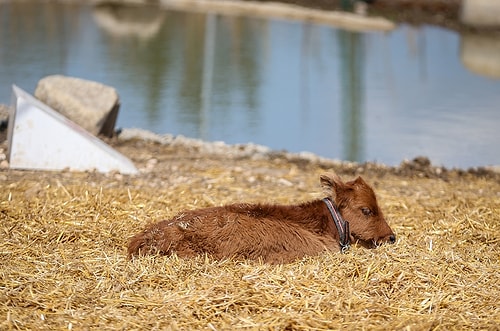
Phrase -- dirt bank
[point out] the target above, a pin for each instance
(163, 158)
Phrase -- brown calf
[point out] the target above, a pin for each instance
(273, 233)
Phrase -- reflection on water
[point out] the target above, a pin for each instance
(288, 85)
(128, 21)
(480, 53)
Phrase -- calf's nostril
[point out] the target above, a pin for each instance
(392, 239)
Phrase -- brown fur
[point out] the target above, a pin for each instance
(273, 233)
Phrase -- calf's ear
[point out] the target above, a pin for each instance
(360, 181)
(331, 182)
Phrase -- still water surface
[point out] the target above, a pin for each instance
(289, 85)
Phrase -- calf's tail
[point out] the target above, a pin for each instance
(137, 244)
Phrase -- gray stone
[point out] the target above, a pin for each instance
(91, 105)
(4, 112)
(4, 121)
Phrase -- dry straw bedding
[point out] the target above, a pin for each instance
(63, 258)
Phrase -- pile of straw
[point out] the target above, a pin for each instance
(63, 261)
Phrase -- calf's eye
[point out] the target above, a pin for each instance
(366, 211)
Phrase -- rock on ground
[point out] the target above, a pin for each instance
(93, 106)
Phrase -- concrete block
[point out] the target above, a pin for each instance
(41, 138)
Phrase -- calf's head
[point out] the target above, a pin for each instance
(357, 204)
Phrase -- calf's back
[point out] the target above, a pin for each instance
(272, 233)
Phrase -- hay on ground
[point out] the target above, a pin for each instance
(63, 261)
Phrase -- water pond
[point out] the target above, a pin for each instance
(374, 96)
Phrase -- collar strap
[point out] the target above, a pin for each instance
(341, 224)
